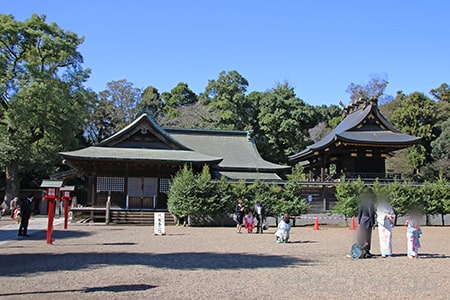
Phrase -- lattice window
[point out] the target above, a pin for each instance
(113, 184)
(164, 185)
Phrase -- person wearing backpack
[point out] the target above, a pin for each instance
(260, 214)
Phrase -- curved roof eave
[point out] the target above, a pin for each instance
(122, 154)
(341, 132)
(133, 124)
(378, 137)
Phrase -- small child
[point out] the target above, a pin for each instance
(284, 227)
(249, 222)
(413, 233)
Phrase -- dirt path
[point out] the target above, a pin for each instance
(127, 262)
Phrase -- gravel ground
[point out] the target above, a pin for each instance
(128, 262)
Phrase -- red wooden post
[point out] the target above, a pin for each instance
(52, 194)
(66, 212)
(51, 209)
(66, 196)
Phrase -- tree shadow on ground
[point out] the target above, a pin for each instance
(57, 235)
(432, 255)
(110, 288)
(35, 263)
(421, 255)
(302, 242)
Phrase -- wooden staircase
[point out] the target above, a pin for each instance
(138, 217)
(318, 194)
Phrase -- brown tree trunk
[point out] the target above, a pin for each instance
(12, 181)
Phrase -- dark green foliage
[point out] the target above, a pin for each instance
(44, 105)
(435, 197)
(403, 197)
(151, 101)
(182, 196)
(283, 123)
(227, 96)
(416, 115)
(348, 194)
(291, 201)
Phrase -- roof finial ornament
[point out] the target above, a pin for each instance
(146, 109)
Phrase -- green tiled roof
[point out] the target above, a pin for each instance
(226, 150)
(112, 153)
(237, 149)
(247, 175)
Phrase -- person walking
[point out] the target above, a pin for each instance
(385, 220)
(25, 213)
(366, 219)
(260, 214)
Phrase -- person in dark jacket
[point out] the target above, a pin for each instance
(25, 214)
(260, 214)
(239, 215)
(366, 219)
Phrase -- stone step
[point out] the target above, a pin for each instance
(138, 217)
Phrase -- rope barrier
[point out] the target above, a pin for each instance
(324, 218)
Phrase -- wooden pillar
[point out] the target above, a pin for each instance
(93, 198)
(322, 169)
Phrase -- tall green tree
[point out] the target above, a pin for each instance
(283, 123)
(43, 101)
(292, 202)
(194, 195)
(227, 95)
(116, 107)
(124, 99)
(441, 150)
(151, 100)
(182, 196)
(416, 115)
(442, 93)
(181, 95)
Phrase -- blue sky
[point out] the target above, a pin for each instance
(319, 47)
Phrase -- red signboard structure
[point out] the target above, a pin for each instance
(66, 195)
(52, 188)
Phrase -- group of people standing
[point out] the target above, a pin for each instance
(21, 211)
(385, 219)
(258, 214)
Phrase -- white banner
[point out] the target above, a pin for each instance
(160, 226)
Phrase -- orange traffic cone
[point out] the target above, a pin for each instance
(353, 226)
(316, 224)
